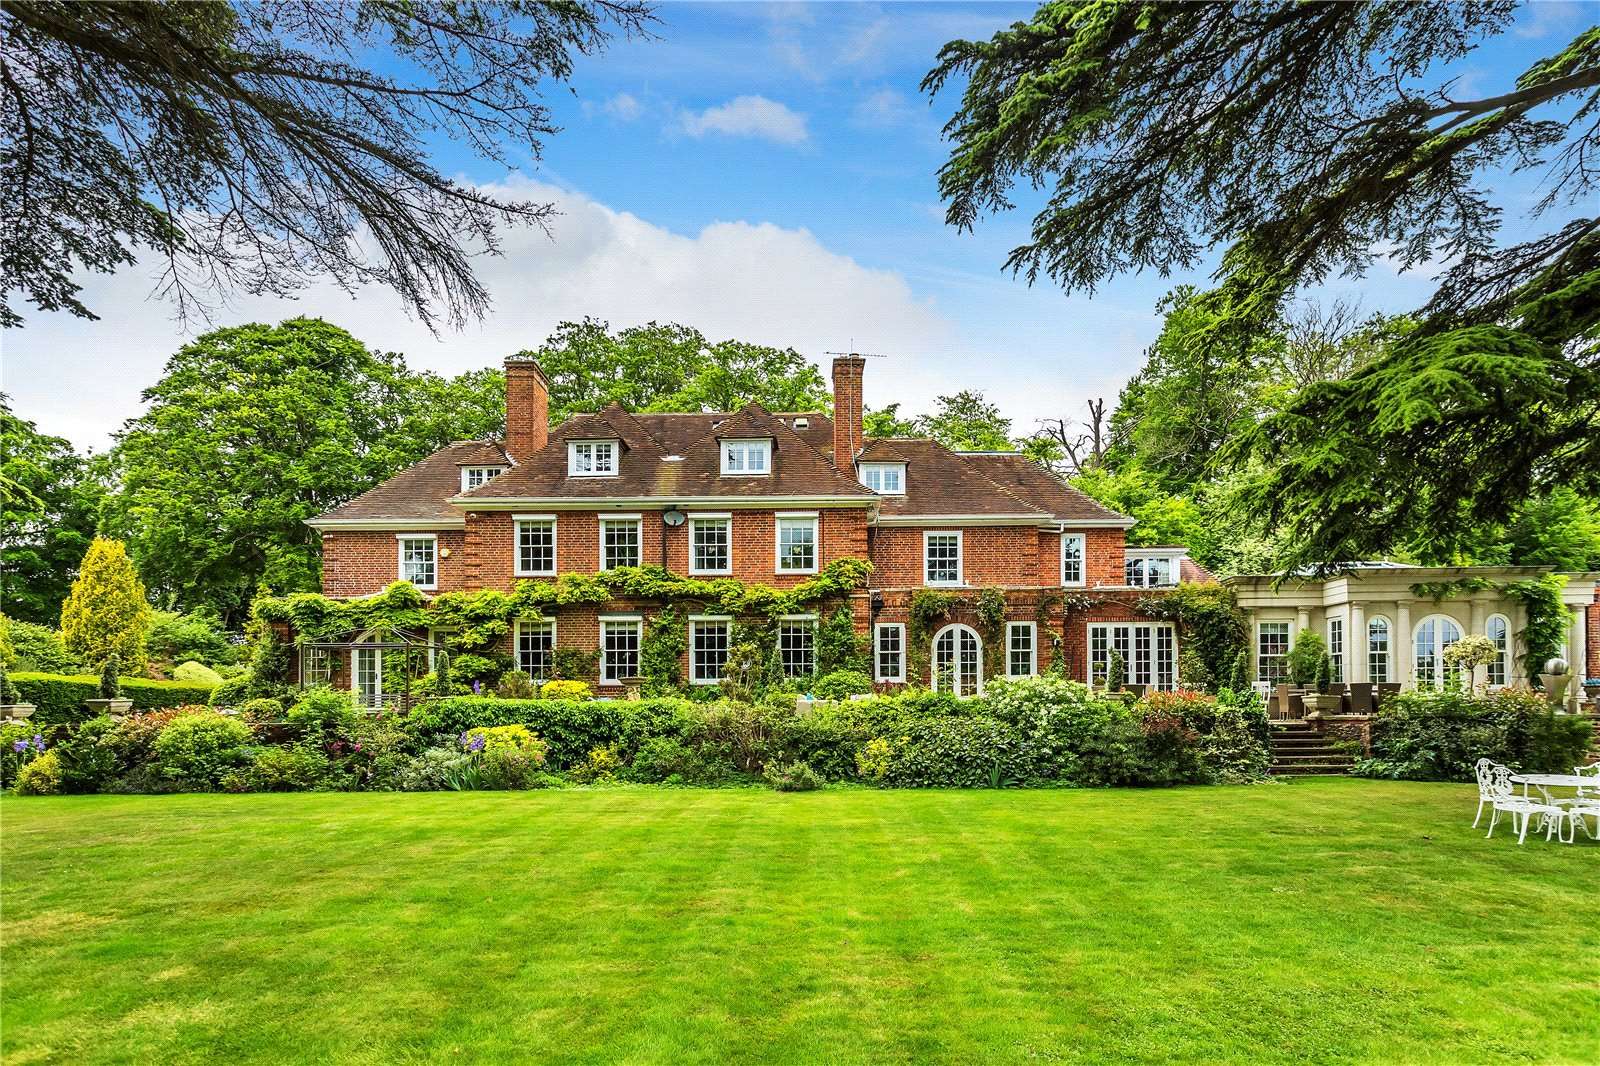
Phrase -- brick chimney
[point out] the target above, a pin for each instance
(527, 407)
(847, 373)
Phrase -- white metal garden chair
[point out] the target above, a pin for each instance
(1587, 805)
(1481, 770)
(1502, 796)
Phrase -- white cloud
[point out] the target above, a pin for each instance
(865, 44)
(748, 116)
(753, 281)
(624, 107)
(885, 107)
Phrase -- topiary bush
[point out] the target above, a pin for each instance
(197, 751)
(841, 684)
(196, 673)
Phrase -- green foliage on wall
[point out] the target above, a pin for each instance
(1214, 631)
(660, 652)
(1548, 618)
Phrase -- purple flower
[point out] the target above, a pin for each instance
(19, 746)
(38, 742)
(358, 746)
(477, 688)
(475, 744)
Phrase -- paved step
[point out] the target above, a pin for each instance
(1309, 771)
(1300, 751)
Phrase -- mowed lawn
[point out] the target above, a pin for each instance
(1309, 922)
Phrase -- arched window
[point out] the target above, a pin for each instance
(1433, 635)
(957, 661)
(1378, 649)
(1498, 630)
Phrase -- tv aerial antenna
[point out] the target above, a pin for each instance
(860, 355)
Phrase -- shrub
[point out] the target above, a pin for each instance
(571, 728)
(87, 757)
(322, 712)
(795, 777)
(504, 757)
(601, 764)
(1308, 659)
(39, 648)
(109, 687)
(198, 637)
(41, 777)
(59, 697)
(1438, 736)
(669, 761)
(196, 751)
(278, 769)
(564, 690)
(872, 761)
(106, 614)
(841, 684)
(133, 739)
(233, 691)
(261, 711)
(8, 691)
(196, 672)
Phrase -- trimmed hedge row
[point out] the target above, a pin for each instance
(58, 698)
(1438, 736)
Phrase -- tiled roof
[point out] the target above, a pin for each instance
(938, 481)
(644, 471)
(1023, 477)
(422, 491)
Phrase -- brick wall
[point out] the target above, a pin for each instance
(1103, 563)
(990, 555)
(527, 407)
(1592, 664)
(359, 563)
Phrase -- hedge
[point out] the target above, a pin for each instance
(58, 698)
(1438, 736)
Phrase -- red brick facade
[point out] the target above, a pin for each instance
(527, 408)
(361, 562)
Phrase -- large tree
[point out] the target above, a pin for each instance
(51, 496)
(670, 367)
(254, 429)
(1305, 139)
(259, 145)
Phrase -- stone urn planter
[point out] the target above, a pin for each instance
(1322, 703)
(632, 687)
(115, 708)
(16, 712)
(1557, 680)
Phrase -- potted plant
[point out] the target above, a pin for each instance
(1312, 670)
(11, 706)
(110, 700)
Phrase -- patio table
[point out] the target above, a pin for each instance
(1545, 782)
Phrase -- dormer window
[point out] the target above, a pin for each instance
(473, 476)
(886, 479)
(592, 458)
(745, 457)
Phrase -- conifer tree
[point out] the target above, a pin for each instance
(106, 612)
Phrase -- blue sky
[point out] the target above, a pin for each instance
(761, 171)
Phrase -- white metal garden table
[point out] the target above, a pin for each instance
(1545, 782)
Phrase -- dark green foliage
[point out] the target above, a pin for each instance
(571, 728)
(1136, 117)
(1214, 629)
(178, 638)
(59, 698)
(573, 664)
(1308, 659)
(87, 757)
(1548, 619)
(1439, 736)
(668, 760)
(839, 647)
(8, 691)
(661, 650)
(322, 713)
(110, 687)
(279, 769)
(48, 510)
(1116, 672)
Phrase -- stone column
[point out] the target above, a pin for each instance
(1355, 645)
(1302, 621)
(1401, 639)
(1480, 674)
(1578, 648)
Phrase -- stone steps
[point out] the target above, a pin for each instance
(1300, 751)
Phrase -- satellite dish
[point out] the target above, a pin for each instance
(672, 517)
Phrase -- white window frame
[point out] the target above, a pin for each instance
(360, 653)
(696, 623)
(880, 469)
(636, 622)
(1082, 542)
(747, 448)
(436, 638)
(722, 518)
(516, 646)
(1288, 646)
(1435, 653)
(401, 539)
(806, 518)
(899, 676)
(1337, 649)
(575, 448)
(517, 522)
(808, 622)
(1502, 663)
(927, 536)
(636, 521)
(1142, 564)
(1033, 648)
(489, 474)
(1386, 656)
(321, 674)
(1130, 660)
(955, 631)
